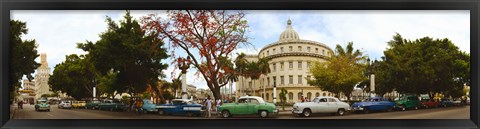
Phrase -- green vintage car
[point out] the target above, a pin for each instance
(92, 104)
(407, 102)
(248, 105)
(42, 105)
(112, 105)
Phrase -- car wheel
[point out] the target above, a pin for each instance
(404, 108)
(263, 114)
(341, 112)
(225, 114)
(389, 109)
(161, 112)
(306, 112)
(366, 111)
(416, 107)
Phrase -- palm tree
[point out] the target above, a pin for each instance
(240, 67)
(355, 57)
(264, 69)
(253, 71)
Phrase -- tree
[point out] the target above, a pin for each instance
(204, 35)
(283, 97)
(73, 77)
(241, 69)
(425, 66)
(22, 56)
(128, 51)
(341, 73)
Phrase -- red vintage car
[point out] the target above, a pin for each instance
(429, 103)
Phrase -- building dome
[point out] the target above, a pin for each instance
(289, 33)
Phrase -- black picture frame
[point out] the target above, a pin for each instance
(7, 5)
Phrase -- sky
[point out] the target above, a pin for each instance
(58, 31)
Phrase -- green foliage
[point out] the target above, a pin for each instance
(146, 95)
(283, 97)
(423, 66)
(125, 50)
(341, 73)
(22, 56)
(75, 77)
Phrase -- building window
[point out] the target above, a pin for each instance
(323, 52)
(308, 49)
(299, 65)
(268, 81)
(267, 97)
(308, 77)
(290, 96)
(250, 85)
(281, 66)
(290, 79)
(274, 67)
(273, 51)
(309, 95)
(300, 95)
(282, 82)
(281, 49)
(308, 65)
(300, 79)
(317, 94)
(268, 53)
(316, 50)
(274, 80)
(324, 94)
(290, 65)
(299, 48)
(290, 48)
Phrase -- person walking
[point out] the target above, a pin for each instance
(218, 106)
(138, 105)
(208, 103)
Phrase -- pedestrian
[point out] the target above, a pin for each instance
(131, 103)
(303, 99)
(138, 105)
(208, 104)
(218, 105)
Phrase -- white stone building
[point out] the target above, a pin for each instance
(41, 77)
(290, 58)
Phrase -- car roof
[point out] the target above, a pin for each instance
(256, 97)
(184, 100)
(326, 97)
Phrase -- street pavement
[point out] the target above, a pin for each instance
(28, 112)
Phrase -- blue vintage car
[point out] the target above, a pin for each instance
(373, 104)
(148, 106)
(180, 106)
(445, 102)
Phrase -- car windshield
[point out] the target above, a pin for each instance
(149, 102)
(177, 102)
(401, 98)
(40, 102)
(367, 100)
(315, 99)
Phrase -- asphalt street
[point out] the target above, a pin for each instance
(28, 112)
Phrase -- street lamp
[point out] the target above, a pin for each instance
(184, 65)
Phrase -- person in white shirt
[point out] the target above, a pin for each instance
(218, 105)
(208, 102)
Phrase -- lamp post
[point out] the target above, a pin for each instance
(184, 65)
(274, 91)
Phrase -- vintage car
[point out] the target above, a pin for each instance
(65, 104)
(112, 105)
(457, 102)
(78, 104)
(92, 104)
(323, 104)
(42, 105)
(149, 106)
(407, 102)
(249, 105)
(429, 103)
(180, 106)
(373, 104)
(445, 102)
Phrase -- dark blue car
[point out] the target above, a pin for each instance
(180, 106)
(373, 104)
(445, 102)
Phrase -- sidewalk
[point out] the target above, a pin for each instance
(13, 109)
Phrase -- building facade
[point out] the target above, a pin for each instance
(289, 58)
(41, 77)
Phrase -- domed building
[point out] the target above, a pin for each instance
(290, 58)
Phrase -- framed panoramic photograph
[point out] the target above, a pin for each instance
(239, 64)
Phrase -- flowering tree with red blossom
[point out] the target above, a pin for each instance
(206, 36)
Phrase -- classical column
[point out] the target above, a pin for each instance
(274, 91)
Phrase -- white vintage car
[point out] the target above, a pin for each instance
(321, 105)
